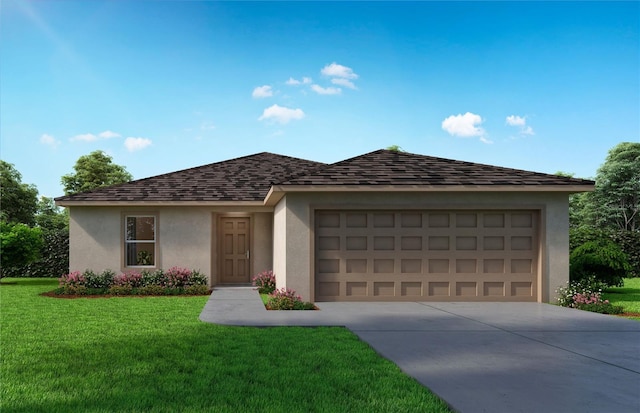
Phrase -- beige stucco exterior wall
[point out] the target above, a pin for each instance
(280, 243)
(293, 228)
(92, 235)
(186, 237)
(262, 252)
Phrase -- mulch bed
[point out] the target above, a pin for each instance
(629, 315)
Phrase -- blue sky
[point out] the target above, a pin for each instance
(167, 85)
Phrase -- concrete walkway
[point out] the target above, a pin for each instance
(480, 357)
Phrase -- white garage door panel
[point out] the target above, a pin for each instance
(426, 255)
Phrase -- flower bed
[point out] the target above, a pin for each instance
(174, 281)
(285, 299)
(282, 299)
(586, 294)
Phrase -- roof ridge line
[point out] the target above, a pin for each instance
(320, 168)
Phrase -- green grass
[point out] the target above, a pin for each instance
(152, 354)
(628, 296)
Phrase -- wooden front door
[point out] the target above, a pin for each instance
(235, 239)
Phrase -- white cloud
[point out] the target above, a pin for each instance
(336, 70)
(135, 144)
(520, 121)
(108, 134)
(49, 140)
(528, 130)
(343, 82)
(515, 120)
(86, 137)
(296, 82)
(281, 114)
(90, 137)
(326, 90)
(262, 92)
(464, 125)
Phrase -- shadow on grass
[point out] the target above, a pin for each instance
(624, 293)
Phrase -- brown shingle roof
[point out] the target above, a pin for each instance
(242, 179)
(384, 167)
(249, 178)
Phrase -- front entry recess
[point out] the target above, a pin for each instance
(234, 250)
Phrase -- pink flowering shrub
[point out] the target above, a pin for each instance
(286, 299)
(586, 294)
(73, 278)
(265, 281)
(72, 283)
(174, 281)
(132, 279)
(177, 277)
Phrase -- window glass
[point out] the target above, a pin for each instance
(140, 245)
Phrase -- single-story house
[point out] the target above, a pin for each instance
(385, 225)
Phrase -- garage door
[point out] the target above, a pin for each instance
(426, 255)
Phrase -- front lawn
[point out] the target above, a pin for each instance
(628, 296)
(152, 354)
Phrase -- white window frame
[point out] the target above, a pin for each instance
(128, 242)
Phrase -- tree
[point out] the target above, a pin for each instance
(576, 205)
(94, 171)
(395, 148)
(615, 202)
(19, 200)
(50, 218)
(20, 244)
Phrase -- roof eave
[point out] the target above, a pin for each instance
(68, 203)
(277, 192)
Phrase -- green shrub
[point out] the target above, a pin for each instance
(601, 259)
(53, 260)
(125, 289)
(151, 289)
(101, 281)
(196, 290)
(20, 245)
(150, 278)
(628, 241)
(72, 290)
(602, 308)
(581, 235)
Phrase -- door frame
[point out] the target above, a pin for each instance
(220, 244)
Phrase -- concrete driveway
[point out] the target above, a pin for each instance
(480, 357)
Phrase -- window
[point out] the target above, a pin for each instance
(140, 241)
